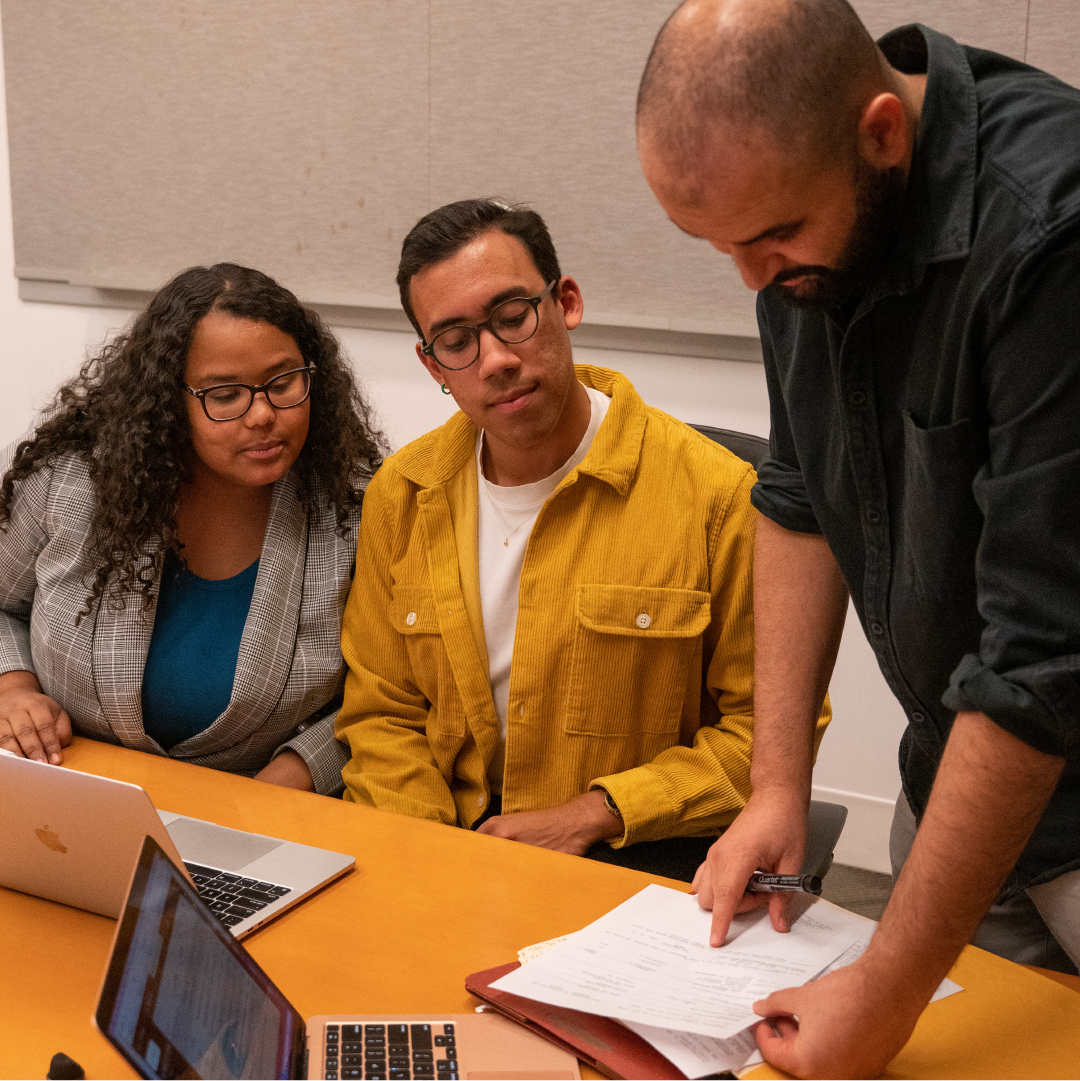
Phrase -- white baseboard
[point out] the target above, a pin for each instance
(865, 840)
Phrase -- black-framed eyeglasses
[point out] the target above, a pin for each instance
(230, 401)
(512, 322)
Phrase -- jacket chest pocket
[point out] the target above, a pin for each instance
(635, 656)
(412, 610)
(412, 615)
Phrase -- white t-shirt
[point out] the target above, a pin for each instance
(505, 517)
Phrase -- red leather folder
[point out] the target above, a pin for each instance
(604, 1044)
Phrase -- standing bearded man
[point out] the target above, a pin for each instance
(909, 213)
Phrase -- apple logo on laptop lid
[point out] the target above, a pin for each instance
(50, 839)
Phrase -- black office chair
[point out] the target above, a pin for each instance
(751, 448)
(680, 857)
(826, 821)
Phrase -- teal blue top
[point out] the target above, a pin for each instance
(188, 679)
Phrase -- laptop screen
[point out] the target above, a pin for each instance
(183, 998)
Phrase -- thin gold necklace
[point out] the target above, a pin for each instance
(491, 502)
(502, 521)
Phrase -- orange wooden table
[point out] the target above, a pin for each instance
(426, 906)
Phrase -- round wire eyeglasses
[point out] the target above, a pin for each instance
(512, 322)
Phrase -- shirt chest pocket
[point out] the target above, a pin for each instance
(636, 655)
(412, 610)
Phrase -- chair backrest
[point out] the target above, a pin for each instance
(826, 820)
(751, 448)
(824, 825)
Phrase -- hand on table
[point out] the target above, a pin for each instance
(574, 826)
(32, 725)
(851, 1023)
(768, 835)
(289, 770)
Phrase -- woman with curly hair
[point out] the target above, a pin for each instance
(177, 538)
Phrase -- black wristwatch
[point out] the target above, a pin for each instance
(611, 805)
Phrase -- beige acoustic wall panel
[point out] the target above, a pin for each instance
(148, 136)
(1054, 39)
(306, 138)
(537, 104)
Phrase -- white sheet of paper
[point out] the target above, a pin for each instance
(699, 1056)
(648, 961)
(538, 949)
(856, 949)
(695, 1055)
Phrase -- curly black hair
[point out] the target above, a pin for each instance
(124, 414)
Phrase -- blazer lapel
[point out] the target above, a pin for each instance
(269, 639)
(121, 642)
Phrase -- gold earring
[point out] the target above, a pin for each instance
(444, 390)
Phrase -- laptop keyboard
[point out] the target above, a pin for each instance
(391, 1052)
(232, 898)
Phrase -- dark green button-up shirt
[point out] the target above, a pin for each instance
(934, 438)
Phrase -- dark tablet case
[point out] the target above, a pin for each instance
(604, 1044)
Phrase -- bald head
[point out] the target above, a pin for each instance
(795, 73)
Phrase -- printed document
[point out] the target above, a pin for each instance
(700, 1056)
(648, 961)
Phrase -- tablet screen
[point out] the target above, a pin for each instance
(182, 998)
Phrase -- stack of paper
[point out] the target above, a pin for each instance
(648, 963)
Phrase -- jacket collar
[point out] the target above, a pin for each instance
(613, 457)
(939, 208)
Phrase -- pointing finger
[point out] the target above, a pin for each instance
(728, 897)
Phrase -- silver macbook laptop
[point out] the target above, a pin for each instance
(74, 838)
(183, 999)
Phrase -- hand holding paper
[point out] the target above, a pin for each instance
(648, 961)
(663, 915)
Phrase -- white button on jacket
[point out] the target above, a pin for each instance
(644, 621)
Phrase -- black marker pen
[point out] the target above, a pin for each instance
(766, 882)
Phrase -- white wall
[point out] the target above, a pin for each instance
(43, 344)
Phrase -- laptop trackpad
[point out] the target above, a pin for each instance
(228, 850)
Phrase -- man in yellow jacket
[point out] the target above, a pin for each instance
(550, 629)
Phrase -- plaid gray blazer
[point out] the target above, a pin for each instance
(290, 665)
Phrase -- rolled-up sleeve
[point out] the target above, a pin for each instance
(780, 492)
(1026, 676)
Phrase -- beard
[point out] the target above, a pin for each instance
(879, 198)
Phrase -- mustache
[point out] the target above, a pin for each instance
(792, 272)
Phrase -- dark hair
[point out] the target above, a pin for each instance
(444, 232)
(801, 72)
(125, 415)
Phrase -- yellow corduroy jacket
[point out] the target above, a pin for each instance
(633, 654)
